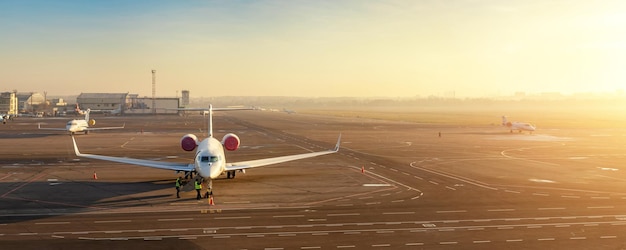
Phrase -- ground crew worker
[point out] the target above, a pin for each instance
(178, 184)
(198, 186)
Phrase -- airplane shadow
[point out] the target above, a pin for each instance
(20, 201)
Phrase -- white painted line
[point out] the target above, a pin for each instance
(178, 230)
(349, 214)
(288, 216)
(570, 196)
(26, 234)
(452, 211)
(414, 244)
(511, 191)
(147, 231)
(515, 240)
(351, 246)
(601, 197)
(398, 213)
(578, 238)
(188, 238)
(476, 228)
(541, 194)
(396, 201)
(481, 241)
(175, 219)
(377, 185)
(434, 182)
(381, 245)
(451, 188)
(112, 232)
(112, 221)
(501, 210)
(448, 243)
(608, 237)
(545, 239)
(550, 208)
(52, 223)
(232, 218)
(603, 207)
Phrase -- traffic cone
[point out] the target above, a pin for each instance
(362, 169)
(211, 200)
(95, 177)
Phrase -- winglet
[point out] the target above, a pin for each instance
(39, 125)
(338, 142)
(75, 147)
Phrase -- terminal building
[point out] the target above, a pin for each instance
(127, 104)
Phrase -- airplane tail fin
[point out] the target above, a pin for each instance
(87, 115)
(504, 121)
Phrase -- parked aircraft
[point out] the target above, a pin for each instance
(520, 126)
(209, 161)
(78, 125)
(6, 117)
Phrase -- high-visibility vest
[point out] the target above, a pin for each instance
(178, 182)
(198, 185)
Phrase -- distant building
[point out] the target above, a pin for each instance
(125, 103)
(8, 103)
(29, 102)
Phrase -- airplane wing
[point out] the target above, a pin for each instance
(61, 129)
(268, 161)
(103, 128)
(146, 163)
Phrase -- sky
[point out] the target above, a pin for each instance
(359, 48)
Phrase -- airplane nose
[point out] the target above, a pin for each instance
(205, 171)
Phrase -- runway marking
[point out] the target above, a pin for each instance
(452, 211)
(602, 207)
(349, 214)
(414, 244)
(176, 219)
(578, 238)
(288, 216)
(463, 179)
(451, 188)
(515, 240)
(599, 197)
(310, 247)
(608, 237)
(550, 208)
(350, 246)
(398, 213)
(232, 218)
(381, 245)
(541, 194)
(545, 239)
(395, 201)
(112, 232)
(53, 223)
(433, 182)
(481, 241)
(448, 242)
(501, 210)
(570, 196)
(112, 221)
(511, 191)
(377, 185)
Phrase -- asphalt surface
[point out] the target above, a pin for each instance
(393, 185)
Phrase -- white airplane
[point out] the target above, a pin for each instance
(209, 161)
(6, 117)
(78, 125)
(520, 126)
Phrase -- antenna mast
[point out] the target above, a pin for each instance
(153, 92)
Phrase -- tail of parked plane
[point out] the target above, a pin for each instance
(505, 122)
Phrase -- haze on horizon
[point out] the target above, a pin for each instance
(313, 48)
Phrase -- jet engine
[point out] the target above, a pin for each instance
(231, 142)
(92, 122)
(189, 142)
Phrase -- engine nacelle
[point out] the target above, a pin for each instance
(92, 122)
(231, 142)
(189, 142)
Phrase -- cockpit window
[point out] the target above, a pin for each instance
(209, 158)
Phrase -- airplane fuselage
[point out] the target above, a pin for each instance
(74, 126)
(210, 161)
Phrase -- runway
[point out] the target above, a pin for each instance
(393, 185)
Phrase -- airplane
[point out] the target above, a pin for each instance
(209, 161)
(6, 117)
(79, 111)
(78, 125)
(520, 126)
